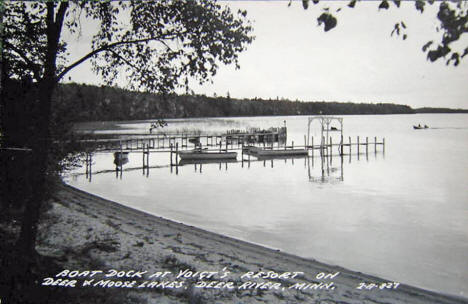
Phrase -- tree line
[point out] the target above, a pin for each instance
(93, 103)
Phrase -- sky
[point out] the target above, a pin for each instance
(358, 61)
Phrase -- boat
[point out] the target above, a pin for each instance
(256, 151)
(194, 140)
(278, 157)
(197, 154)
(287, 152)
(206, 161)
(419, 127)
(120, 158)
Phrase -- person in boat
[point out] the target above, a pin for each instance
(157, 124)
(419, 126)
(153, 126)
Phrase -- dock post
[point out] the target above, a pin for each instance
(89, 163)
(312, 146)
(367, 145)
(322, 146)
(375, 144)
(177, 153)
(143, 154)
(121, 155)
(305, 141)
(170, 154)
(341, 146)
(358, 145)
(331, 147)
(383, 144)
(147, 159)
(242, 151)
(349, 145)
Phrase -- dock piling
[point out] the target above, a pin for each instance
(358, 145)
(349, 145)
(312, 142)
(341, 145)
(367, 145)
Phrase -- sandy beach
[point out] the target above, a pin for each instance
(160, 261)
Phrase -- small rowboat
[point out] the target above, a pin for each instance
(273, 152)
(201, 154)
(288, 152)
(206, 161)
(120, 158)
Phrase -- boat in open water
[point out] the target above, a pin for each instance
(419, 127)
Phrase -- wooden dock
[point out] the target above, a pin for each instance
(324, 149)
(163, 142)
(271, 143)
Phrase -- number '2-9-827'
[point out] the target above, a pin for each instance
(370, 286)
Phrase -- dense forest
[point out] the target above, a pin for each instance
(92, 103)
(80, 103)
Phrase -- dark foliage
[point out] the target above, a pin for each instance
(440, 110)
(452, 15)
(91, 103)
(156, 45)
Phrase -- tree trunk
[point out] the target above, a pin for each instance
(41, 144)
(40, 153)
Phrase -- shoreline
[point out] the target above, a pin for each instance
(147, 242)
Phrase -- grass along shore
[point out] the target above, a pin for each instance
(85, 232)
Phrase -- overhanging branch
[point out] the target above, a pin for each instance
(110, 46)
(29, 62)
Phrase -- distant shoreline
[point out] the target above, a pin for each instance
(428, 110)
(84, 103)
(114, 124)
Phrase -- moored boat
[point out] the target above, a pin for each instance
(274, 152)
(120, 158)
(205, 154)
(287, 152)
(206, 161)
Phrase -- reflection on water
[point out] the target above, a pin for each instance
(320, 169)
(402, 215)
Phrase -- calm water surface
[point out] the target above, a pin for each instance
(401, 215)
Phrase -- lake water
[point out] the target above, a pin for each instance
(401, 215)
